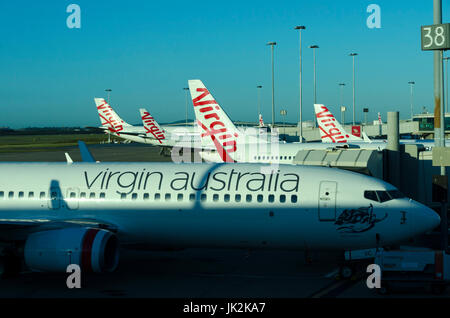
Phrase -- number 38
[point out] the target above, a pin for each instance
(438, 39)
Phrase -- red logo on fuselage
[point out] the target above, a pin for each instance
(328, 127)
(151, 127)
(223, 140)
(107, 114)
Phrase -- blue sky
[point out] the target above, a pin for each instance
(145, 51)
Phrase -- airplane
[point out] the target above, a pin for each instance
(168, 136)
(331, 131)
(113, 124)
(56, 214)
(233, 145)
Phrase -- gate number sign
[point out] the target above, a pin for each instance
(435, 37)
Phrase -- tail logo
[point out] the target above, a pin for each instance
(107, 116)
(329, 129)
(224, 141)
(152, 128)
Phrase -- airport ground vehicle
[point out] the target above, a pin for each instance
(412, 266)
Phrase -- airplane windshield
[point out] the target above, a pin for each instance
(383, 196)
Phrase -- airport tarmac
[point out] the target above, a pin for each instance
(192, 273)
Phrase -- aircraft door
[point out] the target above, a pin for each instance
(327, 201)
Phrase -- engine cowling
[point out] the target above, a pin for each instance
(94, 250)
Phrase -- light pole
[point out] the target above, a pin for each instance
(284, 113)
(412, 98)
(343, 109)
(108, 90)
(365, 111)
(342, 85)
(258, 89)
(446, 80)
(272, 44)
(186, 89)
(300, 28)
(354, 96)
(314, 47)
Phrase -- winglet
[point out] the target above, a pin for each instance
(68, 159)
(86, 155)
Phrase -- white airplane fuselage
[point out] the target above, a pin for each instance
(223, 205)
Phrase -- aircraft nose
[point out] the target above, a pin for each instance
(426, 218)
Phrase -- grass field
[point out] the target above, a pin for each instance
(37, 142)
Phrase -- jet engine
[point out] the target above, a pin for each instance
(94, 250)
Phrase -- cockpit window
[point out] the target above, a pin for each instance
(371, 195)
(395, 194)
(383, 196)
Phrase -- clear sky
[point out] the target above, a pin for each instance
(145, 51)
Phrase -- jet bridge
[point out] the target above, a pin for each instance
(365, 161)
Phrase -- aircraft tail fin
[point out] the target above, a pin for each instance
(108, 117)
(151, 126)
(331, 130)
(366, 138)
(214, 124)
(261, 121)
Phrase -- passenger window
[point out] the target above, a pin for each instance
(31, 194)
(92, 195)
(102, 195)
(294, 198)
(72, 195)
(168, 196)
(282, 198)
(180, 197)
(260, 198)
(226, 198)
(237, 198)
(134, 196)
(42, 195)
(215, 197)
(203, 197)
(371, 195)
(383, 196)
(157, 196)
(271, 198)
(123, 196)
(83, 195)
(248, 198)
(2, 194)
(192, 197)
(11, 195)
(21, 195)
(146, 196)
